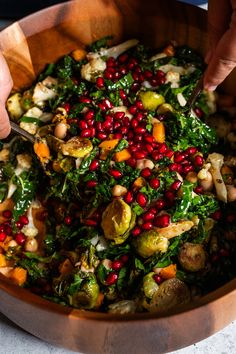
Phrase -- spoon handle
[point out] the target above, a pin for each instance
(22, 132)
(194, 95)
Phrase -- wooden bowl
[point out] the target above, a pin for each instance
(42, 38)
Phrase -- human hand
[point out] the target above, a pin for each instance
(5, 89)
(221, 56)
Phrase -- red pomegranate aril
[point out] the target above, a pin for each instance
(128, 198)
(124, 258)
(101, 136)
(198, 161)
(132, 109)
(135, 87)
(82, 124)
(135, 76)
(149, 139)
(66, 106)
(92, 183)
(224, 252)
(94, 165)
(134, 123)
(138, 138)
(199, 113)
(169, 153)
(149, 148)
(136, 231)
(100, 82)
(139, 116)
(153, 82)
(156, 155)
(118, 136)
(123, 70)
(116, 75)
(148, 216)
(68, 220)
(90, 122)
(141, 199)
(139, 105)
(161, 80)
(126, 121)
(158, 279)
(107, 103)
(147, 74)
(216, 215)
(123, 58)
(115, 173)
(108, 75)
(91, 222)
(146, 172)
(117, 264)
(191, 150)
(20, 238)
(111, 278)
(92, 132)
(85, 133)
(140, 155)
(89, 115)
(7, 214)
(102, 106)
(119, 115)
(162, 220)
(131, 162)
(147, 226)
(122, 94)
(159, 74)
(140, 130)
(175, 186)
(170, 196)
(23, 219)
(162, 148)
(106, 125)
(3, 236)
(154, 183)
(116, 125)
(99, 126)
(111, 62)
(179, 157)
(130, 136)
(198, 190)
(2, 228)
(174, 167)
(160, 204)
(124, 130)
(8, 230)
(84, 99)
(19, 225)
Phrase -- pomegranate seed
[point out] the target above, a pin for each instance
(119, 115)
(175, 186)
(198, 161)
(115, 173)
(149, 139)
(124, 130)
(83, 124)
(132, 109)
(84, 99)
(2, 228)
(92, 183)
(149, 148)
(111, 278)
(174, 167)
(186, 169)
(7, 214)
(135, 76)
(162, 220)
(123, 58)
(170, 196)
(118, 136)
(224, 253)
(85, 133)
(128, 198)
(230, 217)
(19, 225)
(159, 74)
(122, 94)
(162, 148)
(160, 204)
(198, 190)
(148, 74)
(138, 138)
(139, 116)
(140, 154)
(169, 153)
(23, 220)
(107, 103)
(154, 183)
(20, 238)
(66, 106)
(134, 123)
(154, 82)
(216, 215)
(124, 258)
(117, 264)
(100, 82)
(92, 132)
(156, 155)
(141, 199)
(90, 222)
(136, 231)
(131, 162)
(68, 220)
(3, 236)
(199, 113)
(8, 230)
(161, 81)
(101, 106)
(148, 216)
(147, 226)
(179, 157)
(158, 279)
(101, 136)
(139, 105)
(108, 75)
(111, 62)
(146, 172)
(191, 150)
(94, 165)
(89, 115)
(126, 122)
(140, 130)
(135, 87)
(116, 125)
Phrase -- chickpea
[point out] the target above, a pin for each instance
(118, 190)
(191, 177)
(231, 193)
(12, 243)
(144, 163)
(60, 130)
(31, 244)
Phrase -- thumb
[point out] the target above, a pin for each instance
(4, 122)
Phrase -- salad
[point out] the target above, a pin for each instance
(126, 201)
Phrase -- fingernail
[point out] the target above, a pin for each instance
(210, 88)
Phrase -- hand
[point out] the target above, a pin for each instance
(221, 56)
(5, 89)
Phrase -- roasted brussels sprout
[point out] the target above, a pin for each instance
(77, 147)
(150, 242)
(116, 220)
(171, 293)
(151, 100)
(192, 257)
(122, 307)
(149, 285)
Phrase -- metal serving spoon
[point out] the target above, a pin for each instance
(194, 95)
(15, 128)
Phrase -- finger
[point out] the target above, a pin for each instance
(219, 17)
(5, 79)
(222, 62)
(4, 122)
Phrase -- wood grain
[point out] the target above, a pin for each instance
(28, 46)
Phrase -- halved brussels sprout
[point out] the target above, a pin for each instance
(192, 257)
(150, 242)
(77, 147)
(150, 287)
(171, 293)
(116, 220)
(151, 100)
